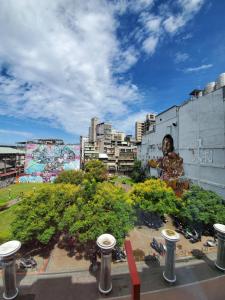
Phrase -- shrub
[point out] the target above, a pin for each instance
(153, 195)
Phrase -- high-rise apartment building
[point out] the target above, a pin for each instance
(142, 127)
(110, 146)
(92, 130)
(139, 130)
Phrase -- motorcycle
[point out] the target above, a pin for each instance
(27, 262)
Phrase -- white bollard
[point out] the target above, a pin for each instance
(220, 233)
(171, 238)
(106, 243)
(7, 256)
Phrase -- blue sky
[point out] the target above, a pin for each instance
(63, 62)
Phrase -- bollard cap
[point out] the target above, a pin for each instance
(9, 248)
(219, 227)
(170, 235)
(106, 241)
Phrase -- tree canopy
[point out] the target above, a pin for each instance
(138, 173)
(70, 176)
(85, 211)
(109, 211)
(95, 169)
(153, 195)
(199, 206)
(39, 213)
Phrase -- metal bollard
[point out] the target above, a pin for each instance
(220, 233)
(171, 238)
(7, 255)
(106, 242)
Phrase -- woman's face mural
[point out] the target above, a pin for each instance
(167, 145)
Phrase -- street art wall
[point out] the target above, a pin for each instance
(44, 162)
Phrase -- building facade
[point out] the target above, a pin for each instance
(197, 128)
(11, 164)
(112, 147)
(142, 128)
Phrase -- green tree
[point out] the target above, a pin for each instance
(95, 169)
(201, 207)
(70, 176)
(39, 213)
(153, 195)
(138, 173)
(109, 211)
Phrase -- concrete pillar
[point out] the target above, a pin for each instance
(105, 242)
(171, 237)
(7, 256)
(220, 233)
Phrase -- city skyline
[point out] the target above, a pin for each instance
(64, 62)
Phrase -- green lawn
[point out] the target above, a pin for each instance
(122, 179)
(6, 218)
(16, 190)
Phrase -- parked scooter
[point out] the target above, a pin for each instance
(27, 262)
(118, 255)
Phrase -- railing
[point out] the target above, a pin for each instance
(135, 280)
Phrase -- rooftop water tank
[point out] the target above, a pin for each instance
(210, 87)
(221, 80)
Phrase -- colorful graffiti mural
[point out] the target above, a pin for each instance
(44, 162)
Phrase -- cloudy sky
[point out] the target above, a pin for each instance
(65, 61)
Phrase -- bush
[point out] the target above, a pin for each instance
(39, 213)
(201, 207)
(70, 176)
(153, 195)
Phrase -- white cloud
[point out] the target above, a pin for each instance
(188, 8)
(156, 27)
(65, 62)
(153, 24)
(128, 123)
(199, 68)
(149, 45)
(15, 132)
(67, 51)
(187, 36)
(180, 57)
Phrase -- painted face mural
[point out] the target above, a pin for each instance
(167, 145)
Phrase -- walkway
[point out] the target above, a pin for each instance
(196, 280)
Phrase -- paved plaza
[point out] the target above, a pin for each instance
(67, 274)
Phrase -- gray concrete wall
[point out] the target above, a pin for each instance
(199, 138)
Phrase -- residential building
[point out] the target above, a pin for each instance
(92, 130)
(197, 128)
(139, 130)
(142, 127)
(111, 146)
(11, 164)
